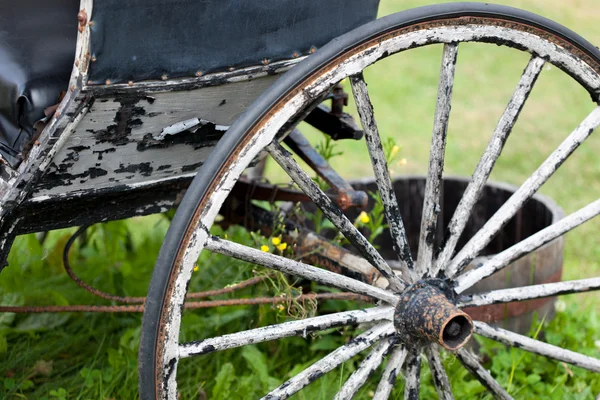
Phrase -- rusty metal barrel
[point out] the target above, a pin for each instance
(541, 266)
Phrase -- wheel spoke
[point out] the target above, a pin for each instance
(537, 347)
(413, 375)
(529, 292)
(486, 163)
(470, 362)
(390, 373)
(296, 268)
(431, 202)
(382, 175)
(292, 328)
(331, 361)
(533, 242)
(524, 193)
(334, 214)
(438, 373)
(365, 369)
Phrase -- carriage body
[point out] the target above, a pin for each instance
(153, 86)
(136, 103)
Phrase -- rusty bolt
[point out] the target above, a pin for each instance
(130, 83)
(296, 54)
(164, 77)
(72, 88)
(77, 63)
(82, 18)
(198, 73)
(265, 61)
(231, 69)
(313, 49)
(93, 58)
(107, 82)
(91, 24)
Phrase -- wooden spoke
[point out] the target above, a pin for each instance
(438, 373)
(537, 347)
(413, 375)
(528, 245)
(364, 370)
(272, 332)
(334, 214)
(486, 163)
(331, 361)
(390, 373)
(431, 202)
(382, 175)
(529, 292)
(297, 268)
(470, 362)
(524, 193)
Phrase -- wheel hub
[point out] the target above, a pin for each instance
(425, 312)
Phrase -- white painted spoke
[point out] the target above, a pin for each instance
(382, 175)
(390, 373)
(364, 370)
(524, 193)
(413, 375)
(333, 213)
(529, 292)
(470, 362)
(297, 268)
(292, 328)
(504, 258)
(431, 202)
(486, 163)
(438, 373)
(537, 347)
(331, 361)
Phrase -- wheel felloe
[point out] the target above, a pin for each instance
(425, 313)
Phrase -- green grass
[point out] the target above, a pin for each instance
(93, 356)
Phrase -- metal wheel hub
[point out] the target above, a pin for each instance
(426, 313)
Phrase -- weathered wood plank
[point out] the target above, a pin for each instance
(130, 139)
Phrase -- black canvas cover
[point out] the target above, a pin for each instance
(137, 40)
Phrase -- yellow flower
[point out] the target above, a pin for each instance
(282, 246)
(363, 217)
(394, 151)
(280, 307)
(225, 236)
(264, 247)
(403, 161)
(195, 267)
(276, 241)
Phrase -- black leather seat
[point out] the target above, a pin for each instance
(37, 49)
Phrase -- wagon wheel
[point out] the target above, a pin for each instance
(416, 312)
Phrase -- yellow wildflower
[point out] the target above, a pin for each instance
(225, 236)
(394, 151)
(276, 241)
(195, 267)
(264, 247)
(280, 307)
(282, 246)
(363, 217)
